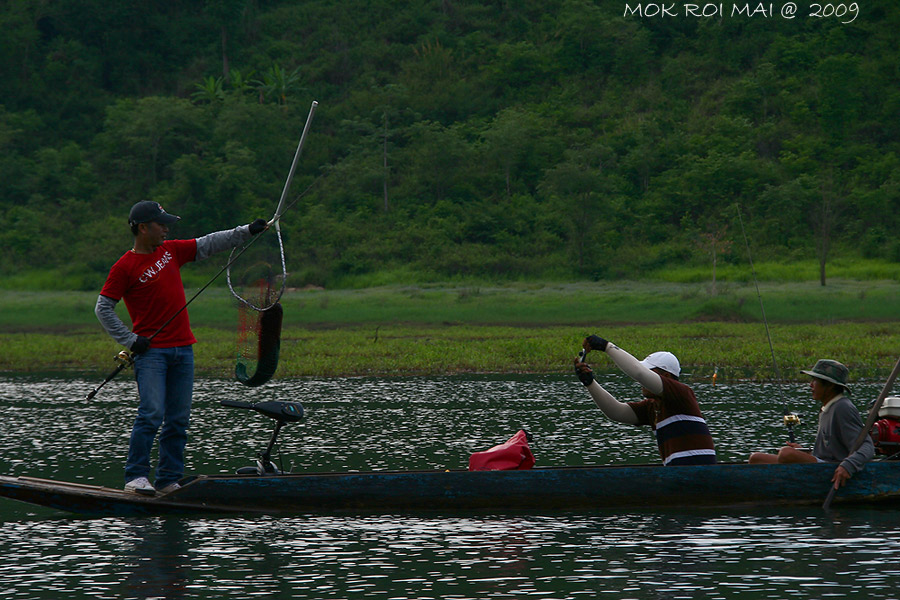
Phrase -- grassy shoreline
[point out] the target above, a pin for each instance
(526, 328)
(510, 304)
(734, 350)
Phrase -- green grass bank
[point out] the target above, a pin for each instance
(522, 328)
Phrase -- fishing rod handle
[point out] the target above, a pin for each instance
(109, 378)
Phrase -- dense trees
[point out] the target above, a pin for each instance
(492, 139)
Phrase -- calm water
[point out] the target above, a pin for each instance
(48, 430)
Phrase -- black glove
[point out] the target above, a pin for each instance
(595, 342)
(584, 373)
(258, 226)
(140, 345)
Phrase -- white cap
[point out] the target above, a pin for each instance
(665, 361)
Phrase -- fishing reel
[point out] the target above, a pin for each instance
(790, 419)
(124, 358)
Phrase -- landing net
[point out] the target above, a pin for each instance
(258, 288)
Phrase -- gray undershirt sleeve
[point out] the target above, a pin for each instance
(221, 240)
(114, 326)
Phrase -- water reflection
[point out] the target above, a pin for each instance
(642, 555)
(49, 431)
(155, 563)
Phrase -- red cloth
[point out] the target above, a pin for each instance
(152, 288)
(512, 455)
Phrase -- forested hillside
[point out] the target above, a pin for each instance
(557, 139)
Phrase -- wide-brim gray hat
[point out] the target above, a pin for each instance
(830, 370)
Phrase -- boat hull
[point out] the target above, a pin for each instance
(557, 488)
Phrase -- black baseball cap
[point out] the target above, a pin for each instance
(148, 211)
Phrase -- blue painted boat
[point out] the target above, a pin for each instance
(264, 489)
(538, 489)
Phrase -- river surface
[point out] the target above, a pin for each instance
(49, 430)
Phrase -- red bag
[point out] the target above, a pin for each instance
(512, 455)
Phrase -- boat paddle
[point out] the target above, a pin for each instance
(870, 421)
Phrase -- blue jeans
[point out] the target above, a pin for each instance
(165, 379)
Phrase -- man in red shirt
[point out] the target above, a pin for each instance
(669, 406)
(148, 278)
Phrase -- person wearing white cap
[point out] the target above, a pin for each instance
(148, 278)
(669, 406)
(839, 426)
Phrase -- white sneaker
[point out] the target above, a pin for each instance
(141, 485)
(170, 488)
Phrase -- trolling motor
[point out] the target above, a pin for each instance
(282, 413)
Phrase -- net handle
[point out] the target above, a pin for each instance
(287, 184)
(276, 219)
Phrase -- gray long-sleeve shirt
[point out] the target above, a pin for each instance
(839, 426)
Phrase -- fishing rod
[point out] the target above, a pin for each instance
(790, 419)
(126, 359)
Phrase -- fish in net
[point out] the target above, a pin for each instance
(260, 316)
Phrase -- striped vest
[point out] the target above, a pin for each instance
(681, 431)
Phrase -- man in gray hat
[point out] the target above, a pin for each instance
(839, 426)
(148, 278)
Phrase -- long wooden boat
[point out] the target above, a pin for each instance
(538, 489)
